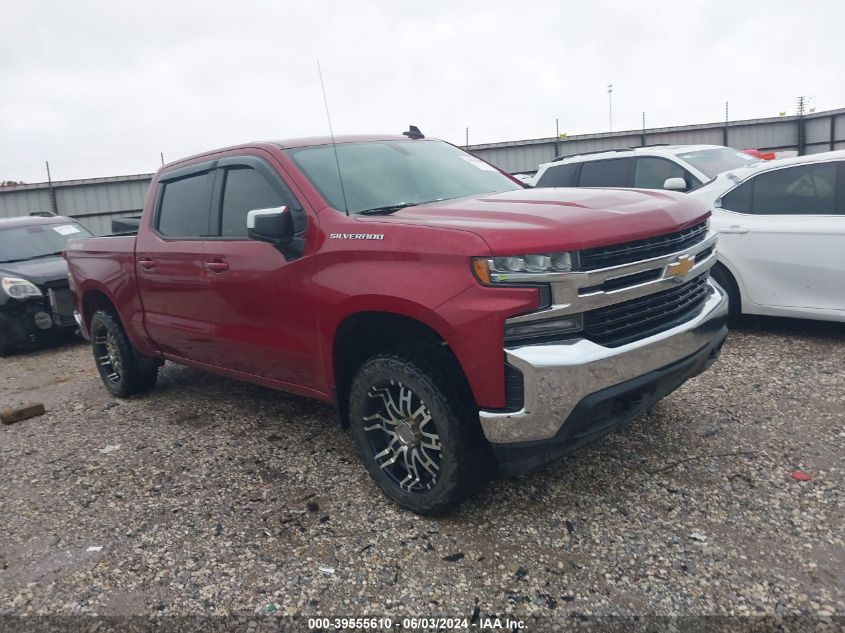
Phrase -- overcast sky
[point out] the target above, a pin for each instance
(100, 88)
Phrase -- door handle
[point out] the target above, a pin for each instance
(146, 263)
(217, 266)
(736, 229)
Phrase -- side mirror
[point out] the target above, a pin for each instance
(270, 225)
(675, 184)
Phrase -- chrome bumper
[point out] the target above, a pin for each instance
(557, 377)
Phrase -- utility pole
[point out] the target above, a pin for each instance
(467, 140)
(802, 139)
(725, 130)
(642, 136)
(54, 209)
(162, 157)
(557, 137)
(610, 105)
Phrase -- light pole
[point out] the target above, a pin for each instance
(610, 105)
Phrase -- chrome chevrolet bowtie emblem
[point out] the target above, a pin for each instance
(681, 267)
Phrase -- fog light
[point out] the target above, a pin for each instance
(43, 321)
(550, 328)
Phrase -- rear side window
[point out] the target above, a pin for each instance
(614, 172)
(185, 207)
(652, 173)
(245, 189)
(558, 176)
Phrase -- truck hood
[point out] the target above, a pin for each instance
(38, 271)
(553, 219)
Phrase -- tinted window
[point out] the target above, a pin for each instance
(739, 199)
(184, 210)
(615, 172)
(652, 173)
(245, 190)
(558, 176)
(804, 189)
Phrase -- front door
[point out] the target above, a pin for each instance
(260, 307)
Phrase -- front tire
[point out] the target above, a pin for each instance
(725, 279)
(416, 429)
(123, 370)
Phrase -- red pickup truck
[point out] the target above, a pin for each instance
(453, 317)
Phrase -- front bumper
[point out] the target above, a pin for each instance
(557, 378)
(28, 323)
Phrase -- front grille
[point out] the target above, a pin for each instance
(625, 322)
(629, 252)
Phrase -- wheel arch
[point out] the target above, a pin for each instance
(730, 270)
(362, 334)
(95, 299)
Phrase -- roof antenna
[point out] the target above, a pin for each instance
(413, 132)
(334, 145)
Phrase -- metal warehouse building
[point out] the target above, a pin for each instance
(808, 134)
(96, 201)
(92, 201)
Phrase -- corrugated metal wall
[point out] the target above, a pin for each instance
(781, 133)
(92, 202)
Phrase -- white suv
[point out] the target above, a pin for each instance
(675, 167)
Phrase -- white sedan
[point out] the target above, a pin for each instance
(781, 228)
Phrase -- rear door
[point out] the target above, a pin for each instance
(784, 231)
(259, 306)
(170, 265)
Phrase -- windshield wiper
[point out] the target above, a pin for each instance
(387, 210)
(44, 255)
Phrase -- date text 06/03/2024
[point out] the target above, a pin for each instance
(422, 623)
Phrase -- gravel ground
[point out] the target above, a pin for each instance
(211, 497)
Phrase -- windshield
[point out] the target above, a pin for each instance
(385, 175)
(712, 162)
(20, 243)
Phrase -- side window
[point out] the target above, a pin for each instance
(799, 190)
(184, 210)
(245, 189)
(558, 176)
(739, 199)
(614, 172)
(651, 172)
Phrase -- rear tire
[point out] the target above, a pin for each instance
(416, 428)
(123, 370)
(725, 279)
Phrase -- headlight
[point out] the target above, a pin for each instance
(18, 288)
(520, 267)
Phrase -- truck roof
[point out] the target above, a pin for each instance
(306, 141)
